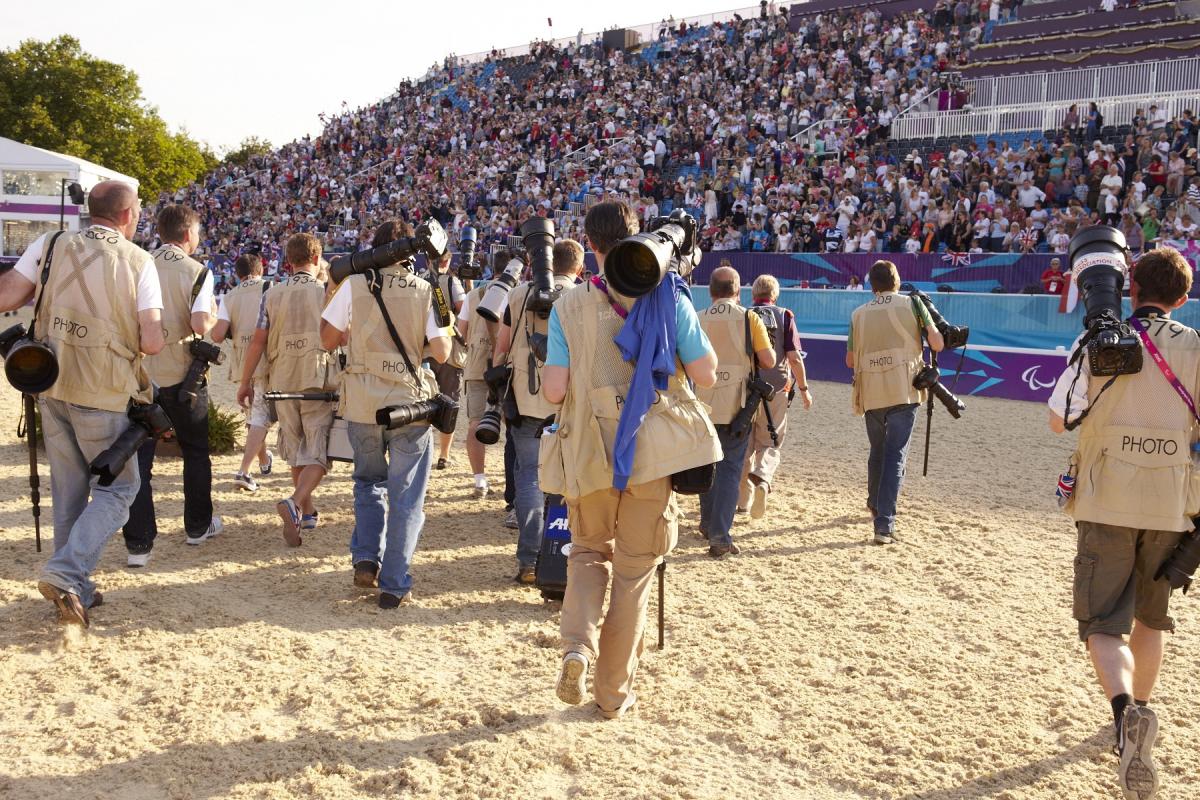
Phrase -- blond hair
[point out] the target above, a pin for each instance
(765, 287)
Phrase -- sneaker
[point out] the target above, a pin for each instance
(308, 522)
(136, 560)
(97, 600)
(741, 509)
(572, 679)
(244, 482)
(214, 528)
(388, 600)
(526, 575)
(510, 521)
(441, 464)
(1136, 772)
(883, 537)
(291, 521)
(366, 574)
(481, 492)
(265, 469)
(629, 703)
(720, 551)
(70, 607)
(758, 501)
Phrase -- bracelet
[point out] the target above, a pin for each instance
(801, 388)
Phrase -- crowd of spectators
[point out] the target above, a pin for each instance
(707, 118)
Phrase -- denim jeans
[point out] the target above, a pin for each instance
(74, 436)
(889, 431)
(530, 501)
(718, 504)
(191, 431)
(510, 467)
(391, 473)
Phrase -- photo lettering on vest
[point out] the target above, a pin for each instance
(1149, 446)
(723, 376)
(392, 367)
(71, 328)
(296, 344)
(882, 361)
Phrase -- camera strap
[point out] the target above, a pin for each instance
(375, 286)
(37, 307)
(1163, 366)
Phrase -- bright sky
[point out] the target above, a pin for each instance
(225, 70)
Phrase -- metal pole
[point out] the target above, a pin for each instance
(928, 419)
(662, 584)
(62, 202)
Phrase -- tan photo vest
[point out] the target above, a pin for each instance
(725, 324)
(524, 324)
(295, 360)
(89, 318)
(376, 374)
(177, 275)
(1134, 465)
(676, 434)
(242, 305)
(481, 341)
(887, 353)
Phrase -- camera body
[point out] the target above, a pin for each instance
(468, 240)
(30, 365)
(954, 336)
(149, 422)
(757, 391)
(929, 378)
(1179, 569)
(430, 239)
(1100, 266)
(441, 412)
(637, 264)
(203, 354)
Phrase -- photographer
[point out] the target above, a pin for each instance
(449, 377)
(480, 336)
(390, 311)
(188, 313)
(788, 375)
(1132, 502)
(884, 350)
(740, 341)
(237, 318)
(115, 303)
(288, 332)
(513, 343)
(618, 529)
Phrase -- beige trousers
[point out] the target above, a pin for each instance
(623, 535)
(762, 457)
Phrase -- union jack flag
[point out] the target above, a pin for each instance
(957, 259)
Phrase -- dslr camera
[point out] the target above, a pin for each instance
(497, 379)
(441, 412)
(1098, 258)
(757, 391)
(929, 377)
(203, 354)
(29, 364)
(468, 270)
(537, 239)
(637, 265)
(149, 421)
(955, 336)
(430, 239)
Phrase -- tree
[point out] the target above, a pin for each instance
(56, 96)
(251, 147)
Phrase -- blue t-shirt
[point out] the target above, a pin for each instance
(690, 341)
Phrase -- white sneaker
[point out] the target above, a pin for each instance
(214, 528)
(244, 482)
(1136, 772)
(481, 492)
(758, 501)
(265, 469)
(138, 559)
(572, 679)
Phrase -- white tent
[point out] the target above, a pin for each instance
(31, 184)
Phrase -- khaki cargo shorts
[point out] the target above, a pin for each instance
(259, 415)
(1114, 579)
(304, 431)
(475, 394)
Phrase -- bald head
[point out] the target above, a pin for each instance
(115, 204)
(724, 282)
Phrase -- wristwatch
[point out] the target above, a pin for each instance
(801, 388)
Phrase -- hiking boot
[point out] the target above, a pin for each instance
(572, 679)
(70, 607)
(366, 574)
(390, 601)
(526, 575)
(720, 551)
(1136, 772)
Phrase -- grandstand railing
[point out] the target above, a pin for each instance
(1036, 117)
(808, 136)
(1081, 85)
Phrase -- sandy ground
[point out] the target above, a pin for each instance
(812, 666)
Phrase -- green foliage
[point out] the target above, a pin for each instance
(223, 429)
(56, 96)
(250, 147)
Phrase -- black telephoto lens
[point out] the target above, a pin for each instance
(1180, 568)
(487, 431)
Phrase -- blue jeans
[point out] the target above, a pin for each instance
(718, 504)
(889, 431)
(391, 472)
(74, 436)
(530, 501)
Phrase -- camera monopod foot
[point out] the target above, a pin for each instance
(662, 585)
